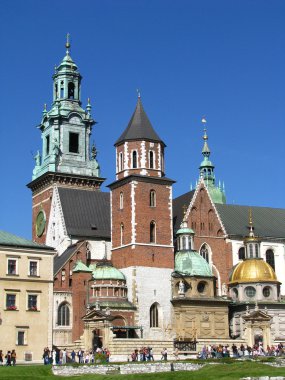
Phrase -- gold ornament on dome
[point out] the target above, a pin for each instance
(253, 270)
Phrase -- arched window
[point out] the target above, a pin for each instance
(151, 159)
(135, 164)
(152, 198)
(121, 200)
(153, 314)
(121, 166)
(63, 315)
(152, 232)
(70, 90)
(269, 257)
(122, 233)
(241, 253)
(204, 252)
(61, 89)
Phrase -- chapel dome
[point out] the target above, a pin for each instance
(191, 263)
(253, 270)
(106, 271)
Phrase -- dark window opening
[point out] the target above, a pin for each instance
(61, 90)
(33, 268)
(47, 144)
(70, 90)
(152, 198)
(56, 90)
(63, 315)
(204, 252)
(12, 266)
(151, 163)
(241, 253)
(21, 338)
(152, 232)
(269, 256)
(154, 315)
(32, 302)
(73, 142)
(10, 301)
(135, 159)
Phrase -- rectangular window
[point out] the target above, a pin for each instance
(11, 301)
(73, 142)
(32, 302)
(12, 266)
(33, 270)
(21, 338)
(47, 145)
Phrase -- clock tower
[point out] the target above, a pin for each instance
(66, 158)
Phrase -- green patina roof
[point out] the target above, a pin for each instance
(81, 267)
(217, 195)
(185, 230)
(9, 239)
(192, 264)
(107, 272)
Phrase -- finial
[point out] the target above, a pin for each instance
(45, 109)
(55, 69)
(191, 186)
(93, 152)
(184, 209)
(250, 216)
(139, 93)
(88, 107)
(67, 44)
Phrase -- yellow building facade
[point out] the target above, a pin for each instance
(26, 294)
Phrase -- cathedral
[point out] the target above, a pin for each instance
(135, 267)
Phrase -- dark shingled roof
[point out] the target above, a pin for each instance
(268, 222)
(86, 213)
(178, 212)
(139, 127)
(59, 261)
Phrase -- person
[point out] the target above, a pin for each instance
(175, 353)
(13, 357)
(73, 356)
(64, 354)
(107, 353)
(54, 357)
(8, 358)
(150, 354)
(1, 357)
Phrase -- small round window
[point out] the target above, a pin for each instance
(201, 287)
(250, 291)
(266, 291)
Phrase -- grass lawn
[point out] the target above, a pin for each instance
(231, 371)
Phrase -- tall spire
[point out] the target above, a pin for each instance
(207, 169)
(251, 241)
(67, 44)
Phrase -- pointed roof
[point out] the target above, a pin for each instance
(139, 127)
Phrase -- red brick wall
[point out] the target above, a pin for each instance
(41, 201)
(147, 255)
(79, 296)
(137, 145)
(208, 229)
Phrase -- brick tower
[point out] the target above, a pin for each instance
(67, 160)
(141, 211)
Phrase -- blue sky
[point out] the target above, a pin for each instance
(224, 59)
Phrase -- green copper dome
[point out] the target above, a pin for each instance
(107, 272)
(192, 264)
(185, 230)
(81, 267)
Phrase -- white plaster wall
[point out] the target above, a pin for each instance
(99, 248)
(56, 230)
(147, 285)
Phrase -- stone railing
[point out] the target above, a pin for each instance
(124, 368)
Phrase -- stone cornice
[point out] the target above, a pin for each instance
(64, 179)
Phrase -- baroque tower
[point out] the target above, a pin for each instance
(206, 168)
(66, 158)
(141, 210)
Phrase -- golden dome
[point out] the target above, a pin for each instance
(253, 270)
